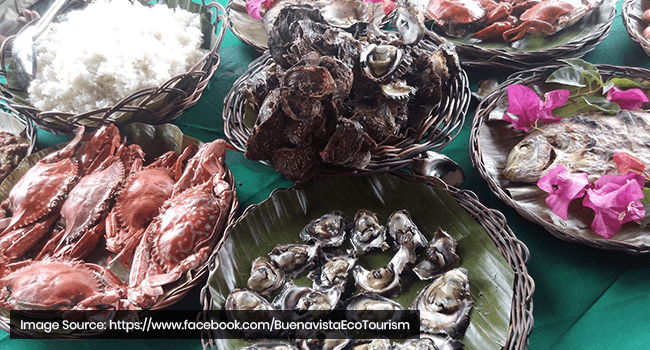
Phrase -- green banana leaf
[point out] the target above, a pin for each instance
(279, 219)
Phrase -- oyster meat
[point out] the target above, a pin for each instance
(265, 277)
(295, 258)
(383, 280)
(270, 345)
(403, 230)
(439, 255)
(329, 230)
(304, 300)
(333, 273)
(367, 233)
(416, 344)
(445, 304)
(374, 307)
(372, 344)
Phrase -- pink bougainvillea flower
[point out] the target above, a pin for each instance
(562, 187)
(626, 163)
(255, 7)
(528, 108)
(388, 6)
(627, 99)
(616, 200)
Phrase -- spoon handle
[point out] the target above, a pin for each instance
(37, 29)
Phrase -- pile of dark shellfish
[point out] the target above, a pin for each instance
(331, 261)
(329, 99)
(12, 150)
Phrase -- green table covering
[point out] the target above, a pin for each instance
(584, 298)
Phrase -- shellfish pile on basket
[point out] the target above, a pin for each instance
(332, 262)
(330, 99)
(93, 204)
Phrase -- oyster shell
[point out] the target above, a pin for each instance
(325, 340)
(294, 259)
(373, 307)
(383, 281)
(383, 62)
(367, 233)
(402, 229)
(305, 299)
(406, 21)
(445, 304)
(440, 255)
(265, 277)
(270, 345)
(444, 342)
(244, 305)
(416, 344)
(372, 344)
(440, 166)
(328, 229)
(333, 273)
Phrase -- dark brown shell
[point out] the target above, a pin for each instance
(268, 134)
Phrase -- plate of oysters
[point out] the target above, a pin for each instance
(520, 34)
(101, 222)
(252, 20)
(355, 246)
(324, 101)
(636, 17)
(575, 162)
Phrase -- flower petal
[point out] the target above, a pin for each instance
(563, 187)
(627, 99)
(626, 163)
(253, 8)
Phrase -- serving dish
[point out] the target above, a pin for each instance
(496, 260)
(491, 141)
(534, 51)
(154, 105)
(110, 255)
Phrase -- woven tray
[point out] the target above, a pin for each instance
(433, 133)
(594, 29)
(173, 292)
(492, 140)
(632, 11)
(29, 133)
(155, 105)
(515, 331)
(251, 31)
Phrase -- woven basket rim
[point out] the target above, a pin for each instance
(482, 113)
(31, 133)
(178, 93)
(434, 132)
(243, 38)
(495, 224)
(631, 20)
(198, 274)
(477, 56)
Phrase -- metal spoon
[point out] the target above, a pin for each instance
(23, 50)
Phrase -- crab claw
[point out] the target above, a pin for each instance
(495, 30)
(531, 26)
(207, 161)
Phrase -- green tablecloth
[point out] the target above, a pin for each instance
(584, 298)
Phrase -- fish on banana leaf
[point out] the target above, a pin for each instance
(582, 143)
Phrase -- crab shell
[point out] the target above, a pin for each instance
(61, 285)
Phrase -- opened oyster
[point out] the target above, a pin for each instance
(372, 344)
(329, 230)
(367, 233)
(247, 306)
(443, 341)
(295, 258)
(270, 345)
(439, 255)
(373, 307)
(416, 344)
(265, 277)
(325, 340)
(383, 281)
(304, 299)
(403, 230)
(333, 273)
(445, 304)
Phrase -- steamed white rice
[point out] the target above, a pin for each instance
(109, 50)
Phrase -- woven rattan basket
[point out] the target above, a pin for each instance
(154, 105)
(632, 11)
(482, 138)
(433, 132)
(173, 292)
(484, 55)
(513, 250)
(30, 129)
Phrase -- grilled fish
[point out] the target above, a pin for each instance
(582, 143)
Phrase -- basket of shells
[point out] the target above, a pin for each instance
(519, 34)
(252, 20)
(352, 251)
(148, 67)
(572, 157)
(636, 18)
(322, 102)
(17, 139)
(143, 209)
